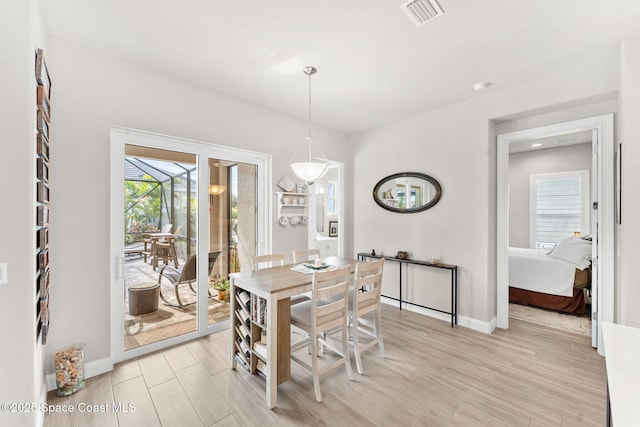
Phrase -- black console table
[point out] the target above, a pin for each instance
(363, 256)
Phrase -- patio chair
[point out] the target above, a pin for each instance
(146, 252)
(187, 275)
(166, 248)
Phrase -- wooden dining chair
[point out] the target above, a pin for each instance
(272, 259)
(364, 302)
(324, 315)
(303, 255)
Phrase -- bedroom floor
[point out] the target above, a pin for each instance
(567, 322)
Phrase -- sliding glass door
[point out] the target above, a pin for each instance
(232, 226)
(184, 215)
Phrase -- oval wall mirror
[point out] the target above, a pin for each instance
(407, 192)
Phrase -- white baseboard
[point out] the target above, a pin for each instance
(466, 322)
(39, 421)
(477, 325)
(91, 369)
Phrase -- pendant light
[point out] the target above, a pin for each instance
(305, 167)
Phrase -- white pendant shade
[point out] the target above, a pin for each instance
(310, 172)
(303, 167)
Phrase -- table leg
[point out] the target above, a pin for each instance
(172, 252)
(154, 255)
(272, 351)
(232, 321)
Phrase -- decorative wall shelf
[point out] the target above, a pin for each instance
(291, 208)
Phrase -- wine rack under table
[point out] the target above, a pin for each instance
(249, 333)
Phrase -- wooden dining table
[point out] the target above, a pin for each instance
(276, 285)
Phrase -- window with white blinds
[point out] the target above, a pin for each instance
(559, 207)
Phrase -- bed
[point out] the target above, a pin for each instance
(554, 280)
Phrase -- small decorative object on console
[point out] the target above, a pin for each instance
(402, 255)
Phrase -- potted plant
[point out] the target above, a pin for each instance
(222, 286)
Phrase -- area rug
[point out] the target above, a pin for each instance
(567, 322)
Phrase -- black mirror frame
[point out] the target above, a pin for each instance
(419, 175)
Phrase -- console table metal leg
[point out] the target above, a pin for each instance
(400, 284)
(454, 297)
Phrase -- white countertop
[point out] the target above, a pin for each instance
(321, 238)
(622, 353)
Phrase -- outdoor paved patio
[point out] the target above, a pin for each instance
(167, 321)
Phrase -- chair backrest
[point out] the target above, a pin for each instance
(166, 228)
(367, 286)
(213, 256)
(164, 239)
(189, 271)
(271, 258)
(303, 255)
(329, 298)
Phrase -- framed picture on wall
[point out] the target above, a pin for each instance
(42, 125)
(43, 283)
(42, 73)
(42, 170)
(42, 193)
(42, 214)
(333, 228)
(42, 101)
(43, 261)
(42, 238)
(43, 147)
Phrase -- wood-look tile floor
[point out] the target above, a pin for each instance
(434, 375)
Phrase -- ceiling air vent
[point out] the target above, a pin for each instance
(422, 11)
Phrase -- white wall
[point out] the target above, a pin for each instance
(456, 145)
(521, 166)
(21, 32)
(93, 92)
(628, 289)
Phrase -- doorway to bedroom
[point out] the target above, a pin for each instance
(550, 235)
(599, 221)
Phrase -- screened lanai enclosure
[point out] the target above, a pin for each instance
(161, 240)
(160, 193)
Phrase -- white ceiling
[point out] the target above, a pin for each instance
(374, 65)
(548, 142)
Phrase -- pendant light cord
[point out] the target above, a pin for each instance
(309, 120)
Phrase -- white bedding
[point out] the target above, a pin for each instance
(534, 270)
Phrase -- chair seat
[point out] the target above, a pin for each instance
(301, 315)
(297, 299)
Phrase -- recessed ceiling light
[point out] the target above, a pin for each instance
(537, 144)
(481, 85)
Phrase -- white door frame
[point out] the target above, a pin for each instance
(119, 138)
(311, 217)
(602, 126)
